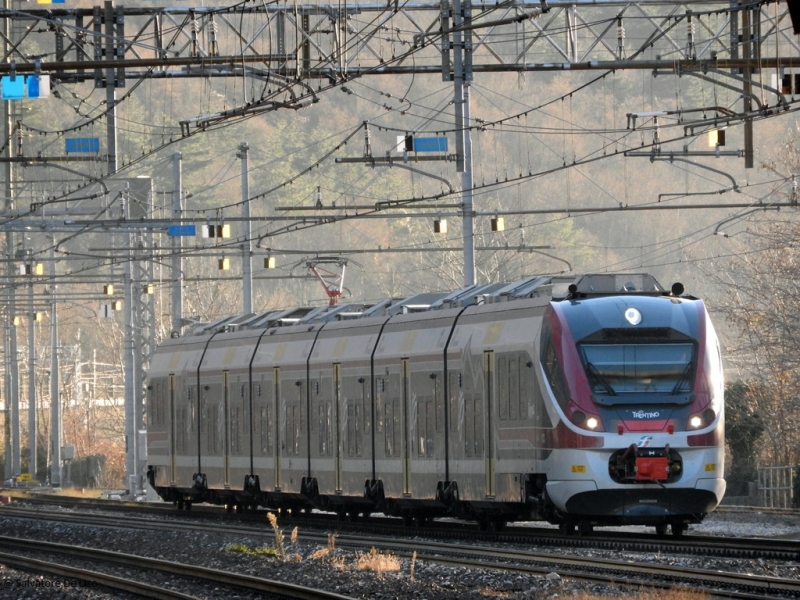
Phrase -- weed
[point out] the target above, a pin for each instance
(321, 553)
(378, 562)
(252, 550)
(273, 521)
(413, 564)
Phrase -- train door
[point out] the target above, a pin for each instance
(172, 430)
(406, 440)
(277, 424)
(488, 377)
(226, 431)
(337, 428)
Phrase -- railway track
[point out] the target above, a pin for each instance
(190, 575)
(610, 540)
(597, 570)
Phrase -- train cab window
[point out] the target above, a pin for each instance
(641, 368)
(553, 370)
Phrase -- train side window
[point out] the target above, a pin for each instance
(524, 385)
(513, 387)
(181, 431)
(478, 424)
(151, 404)
(503, 364)
(425, 427)
(324, 419)
(438, 402)
(552, 368)
(236, 446)
(353, 429)
(389, 419)
(263, 429)
(453, 391)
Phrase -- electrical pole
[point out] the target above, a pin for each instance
(131, 441)
(55, 400)
(31, 381)
(111, 87)
(247, 244)
(177, 245)
(462, 76)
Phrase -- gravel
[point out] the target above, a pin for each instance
(313, 565)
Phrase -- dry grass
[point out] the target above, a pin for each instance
(273, 521)
(326, 552)
(378, 562)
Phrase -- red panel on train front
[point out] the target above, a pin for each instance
(651, 468)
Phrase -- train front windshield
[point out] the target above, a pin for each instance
(624, 369)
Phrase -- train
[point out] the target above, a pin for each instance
(580, 401)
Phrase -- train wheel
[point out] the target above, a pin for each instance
(408, 520)
(678, 529)
(567, 528)
(179, 504)
(188, 505)
(661, 530)
(585, 528)
(352, 517)
(228, 507)
(483, 524)
(419, 521)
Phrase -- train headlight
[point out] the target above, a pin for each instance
(579, 418)
(703, 419)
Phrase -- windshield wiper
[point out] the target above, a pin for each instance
(598, 379)
(684, 379)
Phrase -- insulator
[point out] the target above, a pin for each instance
(367, 141)
(691, 28)
(196, 26)
(213, 28)
(620, 33)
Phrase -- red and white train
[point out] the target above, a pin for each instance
(582, 401)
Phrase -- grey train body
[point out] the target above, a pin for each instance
(472, 405)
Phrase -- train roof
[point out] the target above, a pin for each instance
(556, 287)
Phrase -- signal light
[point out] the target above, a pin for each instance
(224, 264)
(269, 262)
(108, 290)
(440, 226)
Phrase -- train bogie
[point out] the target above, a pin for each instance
(498, 408)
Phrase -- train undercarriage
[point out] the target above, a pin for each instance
(489, 515)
